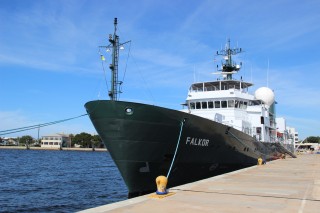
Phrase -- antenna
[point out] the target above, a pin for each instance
(251, 73)
(194, 74)
(229, 67)
(268, 74)
(115, 45)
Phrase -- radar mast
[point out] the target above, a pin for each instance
(115, 45)
(228, 66)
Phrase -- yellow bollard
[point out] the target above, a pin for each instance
(259, 161)
(161, 182)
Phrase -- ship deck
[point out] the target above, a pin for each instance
(286, 185)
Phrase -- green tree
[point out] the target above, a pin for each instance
(313, 139)
(84, 139)
(26, 139)
(71, 136)
(96, 140)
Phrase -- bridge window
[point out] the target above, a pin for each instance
(192, 105)
(241, 105)
(245, 104)
(210, 104)
(204, 105)
(217, 104)
(198, 105)
(236, 104)
(230, 103)
(223, 104)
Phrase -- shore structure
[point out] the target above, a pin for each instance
(285, 185)
(56, 141)
(54, 149)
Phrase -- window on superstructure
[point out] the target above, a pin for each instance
(204, 105)
(254, 103)
(236, 105)
(192, 105)
(217, 104)
(230, 103)
(198, 105)
(241, 104)
(245, 104)
(223, 104)
(258, 130)
(210, 104)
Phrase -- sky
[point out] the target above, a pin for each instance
(50, 62)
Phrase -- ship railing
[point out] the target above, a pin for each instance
(227, 123)
(209, 87)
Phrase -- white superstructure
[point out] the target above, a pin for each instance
(228, 101)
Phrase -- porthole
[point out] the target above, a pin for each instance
(128, 111)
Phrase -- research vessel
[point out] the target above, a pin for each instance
(222, 128)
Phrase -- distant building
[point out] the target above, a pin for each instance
(55, 141)
(9, 141)
(286, 135)
(293, 135)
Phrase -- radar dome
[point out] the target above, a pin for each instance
(265, 94)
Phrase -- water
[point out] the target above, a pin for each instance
(57, 181)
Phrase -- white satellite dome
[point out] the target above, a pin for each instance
(265, 94)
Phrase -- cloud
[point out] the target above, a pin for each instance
(48, 39)
(13, 119)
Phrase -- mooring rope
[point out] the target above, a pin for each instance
(175, 153)
(26, 128)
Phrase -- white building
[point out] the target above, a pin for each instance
(281, 125)
(293, 135)
(284, 134)
(55, 141)
(9, 141)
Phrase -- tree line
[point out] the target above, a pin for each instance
(83, 139)
(87, 140)
(312, 139)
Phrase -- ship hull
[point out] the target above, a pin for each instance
(142, 140)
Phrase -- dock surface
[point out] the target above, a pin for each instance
(286, 185)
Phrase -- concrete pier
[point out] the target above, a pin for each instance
(287, 185)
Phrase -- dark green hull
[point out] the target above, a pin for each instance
(142, 140)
